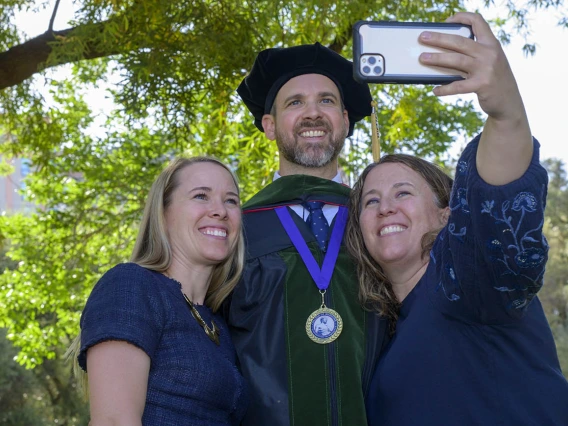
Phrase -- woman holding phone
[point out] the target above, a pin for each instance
(458, 275)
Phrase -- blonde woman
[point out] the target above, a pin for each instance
(155, 349)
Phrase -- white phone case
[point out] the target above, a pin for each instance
(388, 51)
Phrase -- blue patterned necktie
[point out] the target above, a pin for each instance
(317, 222)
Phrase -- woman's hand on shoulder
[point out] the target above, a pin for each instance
(118, 380)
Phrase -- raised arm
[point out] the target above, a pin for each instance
(506, 146)
(118, 381)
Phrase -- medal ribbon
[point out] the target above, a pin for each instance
(321, 277)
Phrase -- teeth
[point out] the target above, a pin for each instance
(312, 133)
(390, 229)
(215, 232)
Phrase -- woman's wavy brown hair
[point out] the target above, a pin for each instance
(375, 291)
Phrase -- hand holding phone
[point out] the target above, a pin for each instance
(484, 63)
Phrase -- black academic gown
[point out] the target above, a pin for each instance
(293, 379)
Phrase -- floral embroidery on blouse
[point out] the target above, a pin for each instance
(459, 202)
(510, 245)
(451, 295)
(525, 258)
(462, 167)
(514, 242)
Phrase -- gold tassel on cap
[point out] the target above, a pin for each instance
(375, 136)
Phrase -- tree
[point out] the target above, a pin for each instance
(554, 294)
(171, 69)
(37, 397)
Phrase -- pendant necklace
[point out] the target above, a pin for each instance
(324, 325)
(212, 333)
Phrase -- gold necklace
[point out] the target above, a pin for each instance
(212, 333)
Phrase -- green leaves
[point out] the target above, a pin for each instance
(169, 71)
(554, 294)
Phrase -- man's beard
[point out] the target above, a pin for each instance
(314, 154)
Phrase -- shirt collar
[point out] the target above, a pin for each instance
(336, 178)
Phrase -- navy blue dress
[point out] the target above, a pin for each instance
(472, 345)
(192, 381)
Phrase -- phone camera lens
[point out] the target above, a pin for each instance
(377, 70)
(366, 69)
(372, 60)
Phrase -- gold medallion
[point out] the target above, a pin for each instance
(324, 325)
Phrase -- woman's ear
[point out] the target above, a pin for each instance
(444, 216)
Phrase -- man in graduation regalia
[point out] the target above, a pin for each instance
(304, 343)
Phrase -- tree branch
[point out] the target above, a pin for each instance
(341, 40)
(24, 60)
(50, 29)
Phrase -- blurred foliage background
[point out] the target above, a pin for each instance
(167, 72)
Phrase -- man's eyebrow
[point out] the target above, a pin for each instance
(328, 95)
(302, 95)
(293, 97)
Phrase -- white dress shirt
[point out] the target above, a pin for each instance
(329, 211)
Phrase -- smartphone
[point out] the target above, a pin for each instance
(388, 51)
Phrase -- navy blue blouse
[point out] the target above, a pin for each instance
(472, 344)
(192, 380)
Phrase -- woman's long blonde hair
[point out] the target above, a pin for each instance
(152, 249)
(375, 290)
